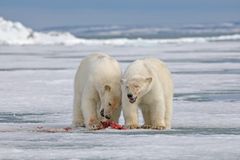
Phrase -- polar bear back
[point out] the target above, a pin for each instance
(98, 68)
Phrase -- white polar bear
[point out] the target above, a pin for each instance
(148, 84)
(97, 91)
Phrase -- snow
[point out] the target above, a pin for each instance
(17, 34)
(36, 90)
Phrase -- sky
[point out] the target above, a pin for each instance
(39, 14)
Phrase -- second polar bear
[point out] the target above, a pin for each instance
(148, 84)
(97, 91)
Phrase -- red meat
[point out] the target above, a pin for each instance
(112, 125)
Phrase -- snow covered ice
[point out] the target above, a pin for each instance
(36, 90)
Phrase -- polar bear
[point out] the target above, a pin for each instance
(147, 84)
(97, 91)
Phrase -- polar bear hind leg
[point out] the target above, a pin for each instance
(78, 120)
(168, 113)
(158, 115)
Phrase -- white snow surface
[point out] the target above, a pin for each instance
(36, 90)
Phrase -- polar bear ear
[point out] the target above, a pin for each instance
(122, 81)
(149, 80)
(107, 88)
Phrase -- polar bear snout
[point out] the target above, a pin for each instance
(107, 116)
(130, 95)
(131, 98)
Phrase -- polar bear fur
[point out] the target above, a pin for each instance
(147, 84)
(97, 91)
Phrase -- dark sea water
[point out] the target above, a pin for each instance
(150, 32)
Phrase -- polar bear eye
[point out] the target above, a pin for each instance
(136, 86)
(127, 87)
(110, 104)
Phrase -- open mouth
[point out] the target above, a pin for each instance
(132, 99)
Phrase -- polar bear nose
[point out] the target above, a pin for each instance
(129, 95)
(102, 112)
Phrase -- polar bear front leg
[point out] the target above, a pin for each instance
(130, 115)
(157, 113)
(168, 113)
(89, 108)
(116, 114)
(146, 116)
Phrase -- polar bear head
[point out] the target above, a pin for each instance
(110, 100)
(135, 87)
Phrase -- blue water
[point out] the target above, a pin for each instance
(150, 32)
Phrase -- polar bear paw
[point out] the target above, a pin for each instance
(146, 126)
(78, 124)
(95, 127)
(132, 126)
(94, 124)
(158, 127)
